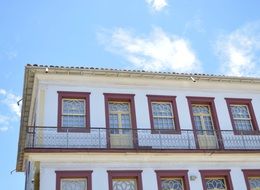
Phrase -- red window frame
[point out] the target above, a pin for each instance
(248, 103)
(73, 174)
(131, 174)
(74, 95)
(250, 173)
(124, 98)
(208, 101)
(216, 173)
(172, 100)
(173, 173)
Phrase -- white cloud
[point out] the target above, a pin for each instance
(2, 92)
(157, 5)
(4, 119)
(4, 122)
(2, 129)
(239, 51)
(195, 24)
(157, 51)
(10, 100)
(11, 55)
(10, 111)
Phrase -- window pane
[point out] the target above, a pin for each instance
(216, 184)
(124, 184)
(118, 107)
(241, 116)
(254, 183)
(73, 113)
(113, 123)
(125, 120)
(208, 125)
(162, 109)
(172, 184)
(244, 125)
(208, 122)
(200, 109)
(163, 117)
(203, 119)
(163, 123)
(73, 106)
(240, 111)
(119, 117)
(198, 123)
(73, 121)
(113, 120)
(73, 184)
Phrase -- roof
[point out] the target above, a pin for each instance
(140, 73)
(31, 70)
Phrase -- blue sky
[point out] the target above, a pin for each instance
(216, 37)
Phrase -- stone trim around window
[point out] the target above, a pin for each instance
(73, 174)
(216, 173)
(172, 100)
(125, 174)
(248, 103)
(74, 95)
(172, 174)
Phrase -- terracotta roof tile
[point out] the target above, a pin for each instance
(136, 71)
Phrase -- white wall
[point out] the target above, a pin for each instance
(141, 87)
(100, 178)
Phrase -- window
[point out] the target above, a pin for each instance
(120, 111)
(120, 120)
(172, 180)
(119, 116)
(252, 178)
(125, 180)
(216, 180)
(163, 113)
(205, 122)
(202, 118)
(242, 114)
(73, 180)
(73, 111)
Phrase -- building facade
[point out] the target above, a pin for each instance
(92, 129)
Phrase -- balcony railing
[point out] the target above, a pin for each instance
(140, 139)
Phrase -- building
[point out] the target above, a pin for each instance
(88, 128)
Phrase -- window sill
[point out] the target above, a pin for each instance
(73, 129)
(243, 132)
(165, 131)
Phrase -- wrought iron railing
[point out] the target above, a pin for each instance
(141, 139)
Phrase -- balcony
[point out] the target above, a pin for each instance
(51, 138)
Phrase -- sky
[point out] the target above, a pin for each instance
(187, 36)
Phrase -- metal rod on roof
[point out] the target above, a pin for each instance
(193, 79)
(18, 102)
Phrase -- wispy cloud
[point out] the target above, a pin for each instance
(195, 24)
(11, 55)
(8, 55)
(4, 122)
(157, 5)
(157, 51)
(10, 111)
(239, 51)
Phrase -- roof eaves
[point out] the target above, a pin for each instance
(142, 73)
